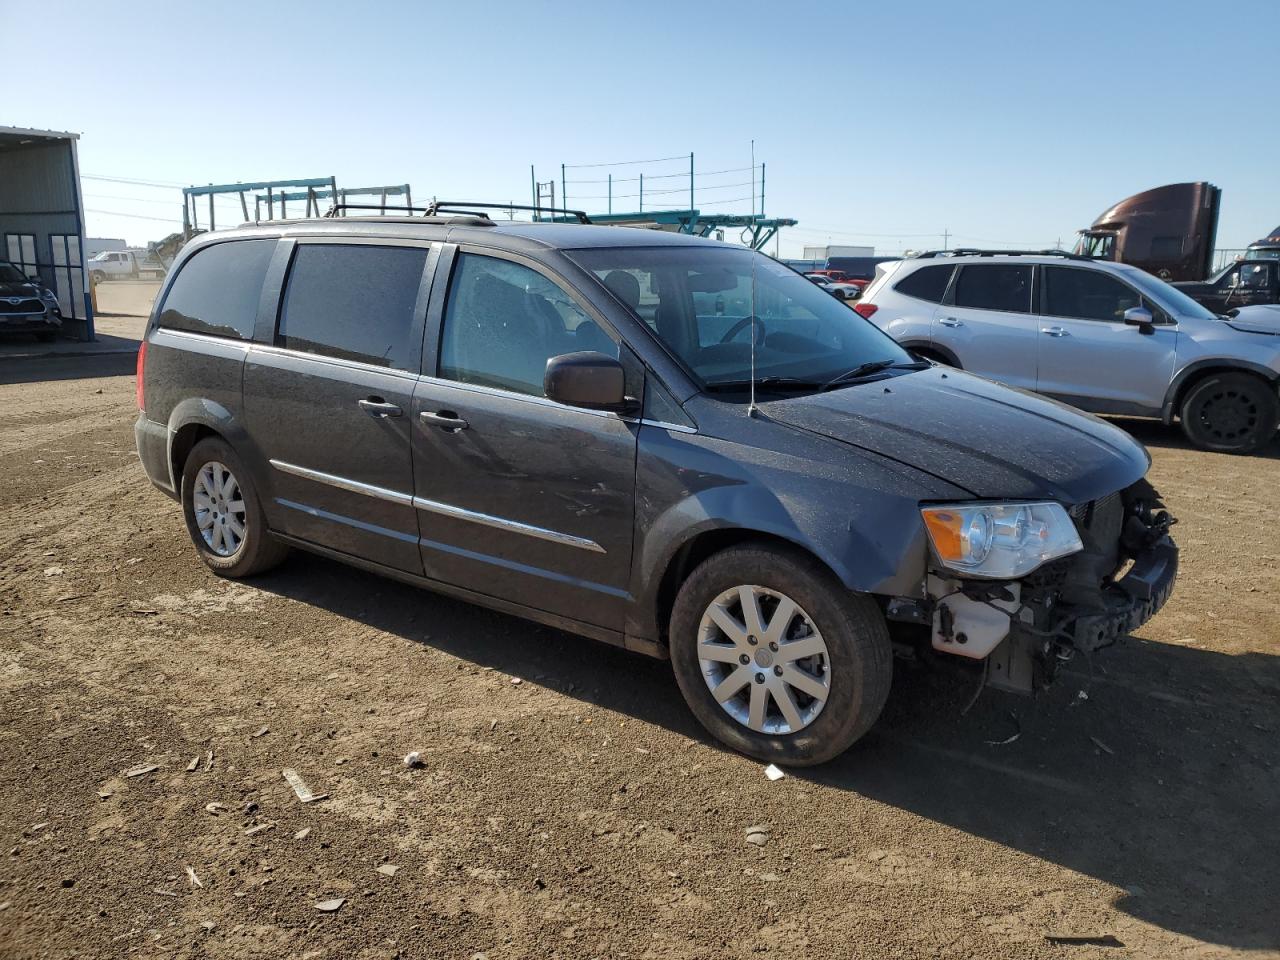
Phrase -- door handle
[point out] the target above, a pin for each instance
(446, 420)
(951, 322)
(1055, 332)
(377, 407)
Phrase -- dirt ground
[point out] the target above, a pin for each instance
(581, 812)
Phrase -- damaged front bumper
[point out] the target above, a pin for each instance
(1025, 629)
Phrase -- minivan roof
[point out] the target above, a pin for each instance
(563, 236)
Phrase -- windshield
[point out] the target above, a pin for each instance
(1096, 245)
(11, 274)
(1169, 297)
(1264, 253)
(706, 303)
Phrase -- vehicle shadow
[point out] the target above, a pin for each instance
(1154, 433)
(1161, 779)
(69, 366)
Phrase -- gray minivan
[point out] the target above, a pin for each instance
(671, 444)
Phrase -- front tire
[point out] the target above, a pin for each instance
(776, 658)
(1230, 413)
(224, 516)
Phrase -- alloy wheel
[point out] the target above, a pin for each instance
(219, 509)
(764, 660)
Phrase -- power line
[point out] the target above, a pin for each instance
(140, 183)
(115, 196)
(669, 176)
(622, 163)
(133, 216)
(617, 196)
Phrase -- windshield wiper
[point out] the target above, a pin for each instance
(768, 383)
(871, 368)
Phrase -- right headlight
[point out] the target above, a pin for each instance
(1001, 541)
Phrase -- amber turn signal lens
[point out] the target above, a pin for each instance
(944, 531)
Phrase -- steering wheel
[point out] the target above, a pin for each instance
(737, 328)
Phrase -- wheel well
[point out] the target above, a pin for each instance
(934, 353)
(1196, 376)
(186, 438)
(698, 549)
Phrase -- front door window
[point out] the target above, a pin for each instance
(504, 321)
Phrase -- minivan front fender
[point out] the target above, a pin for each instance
(860, 520)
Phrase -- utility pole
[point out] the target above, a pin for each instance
(946, 236)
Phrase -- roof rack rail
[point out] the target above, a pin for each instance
(333, 209)
(466, 206)
(974, 252)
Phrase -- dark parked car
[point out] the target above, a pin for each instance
(1245, 283)
(674, 445)
(26, 305)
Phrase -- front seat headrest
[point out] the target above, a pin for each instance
(624, 286)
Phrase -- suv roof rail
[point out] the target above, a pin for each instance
(974, 252)
(467, 206)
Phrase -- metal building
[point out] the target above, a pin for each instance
(42, 218)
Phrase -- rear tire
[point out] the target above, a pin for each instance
(855, 665)
(1230, 413)
(224, 516)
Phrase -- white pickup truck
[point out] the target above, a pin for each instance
(124, 265)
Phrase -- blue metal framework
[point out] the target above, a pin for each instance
(190, 216)
(757, 231)
(342, 195)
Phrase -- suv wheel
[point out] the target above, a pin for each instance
(224, 518)
(1231, 413)
(776, 658)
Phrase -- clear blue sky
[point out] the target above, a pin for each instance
(1005, 123)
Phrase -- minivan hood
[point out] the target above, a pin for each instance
(1264, 318)
(995, 442)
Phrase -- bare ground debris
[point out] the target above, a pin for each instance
(582, 813)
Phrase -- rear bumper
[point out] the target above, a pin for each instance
(152, 440)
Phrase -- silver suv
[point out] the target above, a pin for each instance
(1102, 336)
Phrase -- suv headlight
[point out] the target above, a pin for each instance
(999, 540)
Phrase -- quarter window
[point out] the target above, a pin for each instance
(504, 321)
(218, 289)
(354, 302)
(1087, 295)
(927, 283)
(995, 286)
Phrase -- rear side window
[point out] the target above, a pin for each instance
(1087, 295)
(927, 283)
(354, 302)
(218, 289)
(995, 286)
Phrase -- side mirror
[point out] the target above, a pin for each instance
(1141, 318)
(587, 379)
